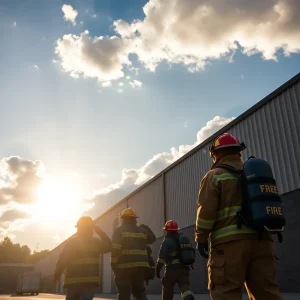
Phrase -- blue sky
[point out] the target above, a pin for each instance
(75, 125)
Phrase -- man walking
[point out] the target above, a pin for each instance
(237, 256)
(129, 258)
(80, 259)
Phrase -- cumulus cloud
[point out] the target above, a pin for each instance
(133, 178)
(70, 14)
(135, 83)
(36, 67)
(15, 24)
(19, 180)
(102, 57)
(190, 33)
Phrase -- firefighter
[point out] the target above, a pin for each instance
(236, 256)
(80, 259)
(175, 271)
(129, 259)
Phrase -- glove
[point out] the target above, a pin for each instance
(202, 249)
(157, 272)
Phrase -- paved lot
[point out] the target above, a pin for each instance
(104, 297)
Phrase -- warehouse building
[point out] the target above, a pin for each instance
(271, 130)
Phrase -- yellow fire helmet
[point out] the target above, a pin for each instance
(85, 222)
(128, 212)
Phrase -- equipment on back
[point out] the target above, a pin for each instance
(261, 206)
(186, 251)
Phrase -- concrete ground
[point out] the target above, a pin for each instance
(104, 297)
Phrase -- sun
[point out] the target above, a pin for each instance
(59, 202)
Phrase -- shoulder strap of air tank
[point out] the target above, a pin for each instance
(230, 168)
(239, 214)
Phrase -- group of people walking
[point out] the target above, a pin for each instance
(233, 227)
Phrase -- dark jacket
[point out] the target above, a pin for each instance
(169, 254)
(80, 260)
(129, 246)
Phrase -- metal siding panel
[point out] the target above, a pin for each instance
(182, 183)
(149, 206)
(111, 219)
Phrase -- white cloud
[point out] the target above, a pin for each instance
(185, 124)
(121, 83)
(128, 77)
(242, 76)
(70, 14)
(15, 24)
(120, 91)
(93, 16)
(135, 83)
(102, 57)
(36, 67)
(191, 33)
(133, 178)
(106, 83)
(19, 180)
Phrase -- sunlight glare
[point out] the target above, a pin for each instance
(59, 203)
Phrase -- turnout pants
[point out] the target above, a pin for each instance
(131, 281)
(180, 277)
(80, 292)
(243, 262)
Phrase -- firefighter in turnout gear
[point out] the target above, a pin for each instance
(237, 257)
(80, 260)
(129, 257)
(175, 271)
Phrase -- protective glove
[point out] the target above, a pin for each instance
(157, 272)
(202, 249)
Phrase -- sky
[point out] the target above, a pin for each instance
(97, 97)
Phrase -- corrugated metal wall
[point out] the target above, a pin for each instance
(181, 184)
(272, 132)
(149, 206)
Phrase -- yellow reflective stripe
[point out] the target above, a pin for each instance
(173, 262)
(172, 253)
(82, 280)
(205, 224)
(133, 265)
(230, 230)
(161, 261)
(227, 212)
(224, 176)
(134, 235)
(116, 246)
(183, 295)
(87, 261)
(113, 259)
(134, 252)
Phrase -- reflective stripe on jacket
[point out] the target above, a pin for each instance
(129, 246)
(80, 259)
(219, 199)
